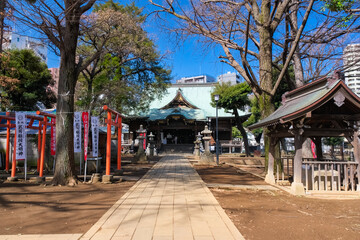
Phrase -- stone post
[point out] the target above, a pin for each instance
(197, 145)
(152, 144)
(270, 172)
(297, 187)
(140, 156)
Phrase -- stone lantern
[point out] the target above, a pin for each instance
(197, 145)
(207, 157)
(140, 156)
(152, 144)
(207, 137)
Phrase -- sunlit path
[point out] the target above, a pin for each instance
(169, 202)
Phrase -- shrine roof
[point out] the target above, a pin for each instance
(308, 98)
(188, 113)
(197, 98)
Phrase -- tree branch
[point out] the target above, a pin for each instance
(293, 47)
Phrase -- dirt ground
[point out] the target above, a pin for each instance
(265, 214)
(27, 208)
(41, 209)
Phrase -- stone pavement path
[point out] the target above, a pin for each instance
(169, 202)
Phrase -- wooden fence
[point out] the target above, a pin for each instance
(326, 175)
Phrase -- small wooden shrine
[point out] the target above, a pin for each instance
(323, 108)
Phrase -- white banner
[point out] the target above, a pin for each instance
(20, 120)
(77, 132)
(95, 135)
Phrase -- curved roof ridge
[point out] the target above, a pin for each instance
(178, 99)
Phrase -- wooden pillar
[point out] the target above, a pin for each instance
(297, 187)
(270, 172)
(356, 145)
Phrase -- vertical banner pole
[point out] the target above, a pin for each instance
(39, 148)
(25, 163)
(119, 143)
(7, 144)
(108, 143)
(85, 118)
(20, 133)
(42, 156)
(77, 136)
(80, 162)
(85, 171)
(53, 141)
(95, 139)
(13, 164)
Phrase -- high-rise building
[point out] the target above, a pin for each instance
(351, 56)
(16, 41)
(55, 73)
(229, 77)
(197, 79)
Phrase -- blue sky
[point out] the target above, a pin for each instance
(189, 58)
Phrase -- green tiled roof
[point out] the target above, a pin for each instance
(188, 113)
(198, 95)
(303, 100)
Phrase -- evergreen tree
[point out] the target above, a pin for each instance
(25, 82)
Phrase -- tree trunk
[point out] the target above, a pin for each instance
(65, 164)
(332, 148)
(265, 63)
(298, 69)
(243, 132)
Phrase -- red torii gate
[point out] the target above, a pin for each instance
(10, 125)
(45, 123)
(117, 124)
(32, 119)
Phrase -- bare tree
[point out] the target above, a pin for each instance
(242, 28)
(263, 34)
(59, 21)
(245, 29)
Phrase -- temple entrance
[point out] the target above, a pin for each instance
(179, 136)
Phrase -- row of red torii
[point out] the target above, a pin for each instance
(44, 123)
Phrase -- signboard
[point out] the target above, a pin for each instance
(77, 132)
(95, 135)
(85, 118)
(20, 120)
(53, 137)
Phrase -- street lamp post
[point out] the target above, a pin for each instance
(216, 98)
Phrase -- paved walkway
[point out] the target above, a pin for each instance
(169, 202)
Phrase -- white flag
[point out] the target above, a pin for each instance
(77, 132)
(95, 135)
(20, 120)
